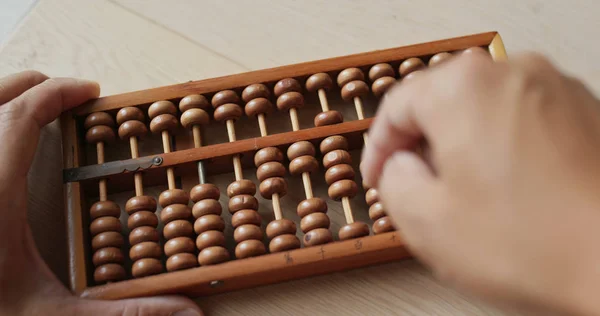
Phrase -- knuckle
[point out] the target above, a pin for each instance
(34, 77)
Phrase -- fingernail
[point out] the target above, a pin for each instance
(188, 312)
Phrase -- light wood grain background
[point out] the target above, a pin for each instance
(135, 44)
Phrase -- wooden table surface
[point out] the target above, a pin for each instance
(136, 44)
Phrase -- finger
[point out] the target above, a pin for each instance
(14, 85)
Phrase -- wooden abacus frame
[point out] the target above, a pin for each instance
(241, 273)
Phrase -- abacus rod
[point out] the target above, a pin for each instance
(294, 119)
(359, 108)
(197, 135)
(166, 140)
(323, 100)
(102, 182)
(347, 210)
(201, 173)
(262, 125)
(137, 177)
(307, 185)
(237, 164)
(276, 206)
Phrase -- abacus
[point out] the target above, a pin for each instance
(228, 183)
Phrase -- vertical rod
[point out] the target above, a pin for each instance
(347, 210)
(294, 118)
(323, 100)
(262, 125)
(307, 185)
(277, 207)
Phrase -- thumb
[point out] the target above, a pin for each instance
(151, 306)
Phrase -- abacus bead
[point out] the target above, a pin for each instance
(317, 236)
(145, 250)
(104, 208)
(210, 238)
(161, 107)
(376, 211)
(100, 133)
(354, 89)
(247, 232)
(258, 106)
(132, 129)
(227, 111)
(249, 248)
(381, 70)
(271, 186)
(179, 244)
(339, 172)
(97, 119)
(303, 164)
(354, 230)
(107, 239)
(342, 188)
(140, 203)
(412, 75)
(143, 233)
(381, 85)
(205, 191)
(146, 267)
(410, 65)
(243, 201)
(269, 170)
(193, 117)
(109, 272)
(283, 243)
(174, 196)
(175, 211)
(178, 228)
(213, 255)
(314, 221)
(280, 227)
(206, 207)
(310, 206)
(240, 187)
(286, 85)
(181, 261)
(328, 118)
(129, 114)
(104, 224)
(290, 100)
(301, 148)
(245, 217)
(350, 74)
(193, 101)
(107, 255)
(209, 222)
(163, 122)
(223, 97)
(319, 81)
(142, 218)
(332, 143)
(267, 154)
(383, 225)
(253, 91)
(371, 196)
(439, 58)
(336, 157)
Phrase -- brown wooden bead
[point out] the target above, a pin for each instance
(129, 114)
(107, 239)
(209, 222)
(290, 100)
(339, 172)
(223, 97)
(372, 196)
(175, 211)
(250, 248)
(178, 228)
(145, 249)
(381, 85)
(181, 261)
(350, 74)
(319, 81)
(161, 107)
(240, 187)
(210, 238)
(410, 65)
(107, 255)
(205, 207)
(132, 129)
(100, 133)
(303, 164)
(143, 233)
(354, 230)
(142, 218)
(286, 85)
(258, 106)
(227, 111)
(174, 196)
(380, 71)
(104, 208)
(243, 201)
(245, 217)
(314, 221)
(342, 188)
(336, 157)
(178, 245)
(140, 203)
(213, 255)
(328, 118)
(164, 122)
(412, 75)
(280, 227)
(301, 148)
(317, 236)
(283, 243)
(383, 225)
(271, 186)
(247, 232)
(253, 91)
(267, 154)
(98, 119)
(146, 267)
(270, 170)
(105, 224)
(376, 211)
(354, 89)
(310, 206)
(193, 101)
(205, 191)
(439, 58)
(109, 273)
(332, 143)
(193, 117)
